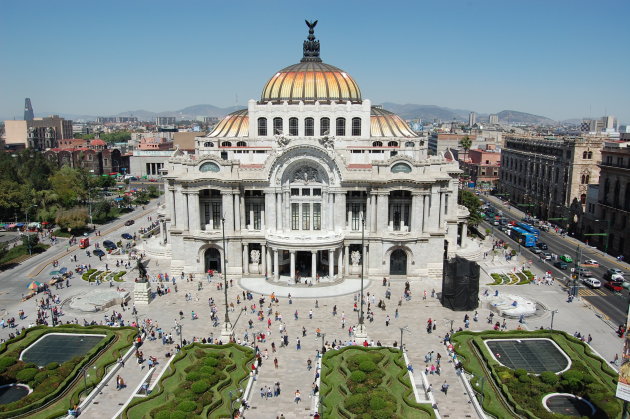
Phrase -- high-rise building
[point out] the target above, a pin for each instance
(28, 110)
(493, 119)
(164, 120)
(38, 134)
(472, 119)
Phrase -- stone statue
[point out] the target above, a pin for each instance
(311, 45)
(355, 258)
(177, 152)
(281, 140)
(142, 271)
(255, 255)
(306, 174)
(327, 141)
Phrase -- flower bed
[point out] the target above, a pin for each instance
(55, 385)
(362, 382)
(515, 393)
(92, 275)
(197, 384)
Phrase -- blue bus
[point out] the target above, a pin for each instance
(525, 238)
(529, 228)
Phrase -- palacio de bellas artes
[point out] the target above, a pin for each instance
(294, 186)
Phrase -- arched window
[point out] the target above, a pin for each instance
(583, 199)
(584, 155)
(278, 126)
(262, 127)
(409, 144)
(226, 144)
(356, 127)
(241, 144)
(341, 127)
(208, 144)
(309, 127)
(324, 126)
(392, 144)
(377, 144)
(293, 126)
(588, 179)
(583, 179)
(590, 155)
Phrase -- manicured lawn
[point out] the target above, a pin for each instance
(197, 384)
(58, 384)
(507, 393)
(20, 251)
(366, 383)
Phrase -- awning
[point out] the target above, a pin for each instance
(37, 225)
(19, 225)
(118, 199)
(34, 285)
(45, 223)
(54, 273)
(12, 225)
(63, 270)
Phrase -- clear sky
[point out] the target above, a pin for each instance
(557, 58)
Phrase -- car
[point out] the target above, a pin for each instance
(126, 236)
(561, 265)
(615, 286)
(98, 252)
(109, 245)
(592, 282)
(584, 272)
(566, 258)
(495, 222)
(613, 271)
(542, 245)
(591, 262)
(536, 250)
(614, 274)
(546, 255)
(129, 222)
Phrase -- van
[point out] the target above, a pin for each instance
(592, 282)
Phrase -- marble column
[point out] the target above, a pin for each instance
(181, 202)
(382, 211)
(346, 260)
(286, 212)
(434, 199)
(237, 211)
(340, 263)
(193, 207)
(464, 232)
(264, 259)
(279, 211)
(325, 211)
(425, 212)
(313, 264)
(228, 211)
(373, 226)
(276, 265)
(331, 211)
(365, 260)
(245, 258)
(368, 213)
(270, 210)
(292, 271)
(171, 206)
(331, 264)
(340, 211)
(416, 213)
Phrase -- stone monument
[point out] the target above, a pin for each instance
(142, 288)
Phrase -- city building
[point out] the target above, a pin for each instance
(39, 133)
(549, 177)
(155, 143)
(116, 119)
(148, 162)
(493, 119)
(610, 211)
(165, 120)
(440, 142)
(482, 165)
(94, 158)
(472, 119)
(29, 115)
(296, 178)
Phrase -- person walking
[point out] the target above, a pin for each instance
(275, 362)
(298, 397)
(445, 388)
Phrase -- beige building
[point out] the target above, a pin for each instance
(549, 177)
(40, 133)
(610, 213)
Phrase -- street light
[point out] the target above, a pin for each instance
(403, 329)
(240, 390)
(323, 336)
(28, 237)
(89, 188)
(553, 313)
(227, 327)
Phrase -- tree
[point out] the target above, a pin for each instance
(465, 143)
(472, 203)
(30, 240)
(68, 185)
(74, 218)
(101, 211)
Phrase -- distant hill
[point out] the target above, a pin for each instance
(426, 112)
(190, 112)
(516, 117)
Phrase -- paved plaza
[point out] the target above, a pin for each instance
(292, 372)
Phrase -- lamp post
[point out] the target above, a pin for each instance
(28, 237)
(179, 326)
(402, 329)
(240, 390)
(89, 190)
(553, 313)
(361, 333)
(323, 336)
(227, 326)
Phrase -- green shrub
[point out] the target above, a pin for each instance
(193, 376)
(200, 386)
(549, 377)
(367, 366)
(187, 406)
(519, 372)
(211, 362)
(26, 375)
(178, 415)
(40, 377)
(376, 403)
(524, 379)
(52, 366)
(162, 414)
(358, 376)
(356, 401)
(207, 370)
(6, 362)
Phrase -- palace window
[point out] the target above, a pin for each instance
(226, 144)
(341, 127)
(241, 144)
(306, 216)
(309, 127)
(262, 127)
(392, 144)
(317, 216)
(377, 144)
(356, 127)
(293, 126)
(324, 126)
(277, 126)
(295, 216)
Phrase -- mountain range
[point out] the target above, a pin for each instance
(407, 111)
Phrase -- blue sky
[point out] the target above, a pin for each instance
(561, 59)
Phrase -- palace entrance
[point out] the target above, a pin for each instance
(398, 262)
(303, 264)
(212, 258)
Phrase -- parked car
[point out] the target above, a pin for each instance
(615, 271)
(561, 265)
(592, 282)
(546, 255)
(98, 252)
(614, 274)
(542, 245)
(584, 272)
(566, 258)
(126, 236)
(535, 250)
(591, 262)
(109, 245)
(129, 222)
(615, 286)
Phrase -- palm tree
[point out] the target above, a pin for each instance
(465, 143)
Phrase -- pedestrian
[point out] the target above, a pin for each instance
(298, 397)
(275, 363)
(445, 388)
(298, 344)
(616, 360)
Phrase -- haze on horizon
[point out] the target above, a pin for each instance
(561, 59)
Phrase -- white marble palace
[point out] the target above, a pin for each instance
(298, 177)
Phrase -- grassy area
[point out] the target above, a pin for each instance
(197, 384)
(362, 382)
(92, 275)
(507, 393)
(21, 250)
(57, 387)
(518, 278)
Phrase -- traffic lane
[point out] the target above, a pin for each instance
(615, 308)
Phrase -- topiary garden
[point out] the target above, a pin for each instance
(366, 383)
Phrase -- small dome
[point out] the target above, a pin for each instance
(388, 124)
(235, 124)
(309, 82)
